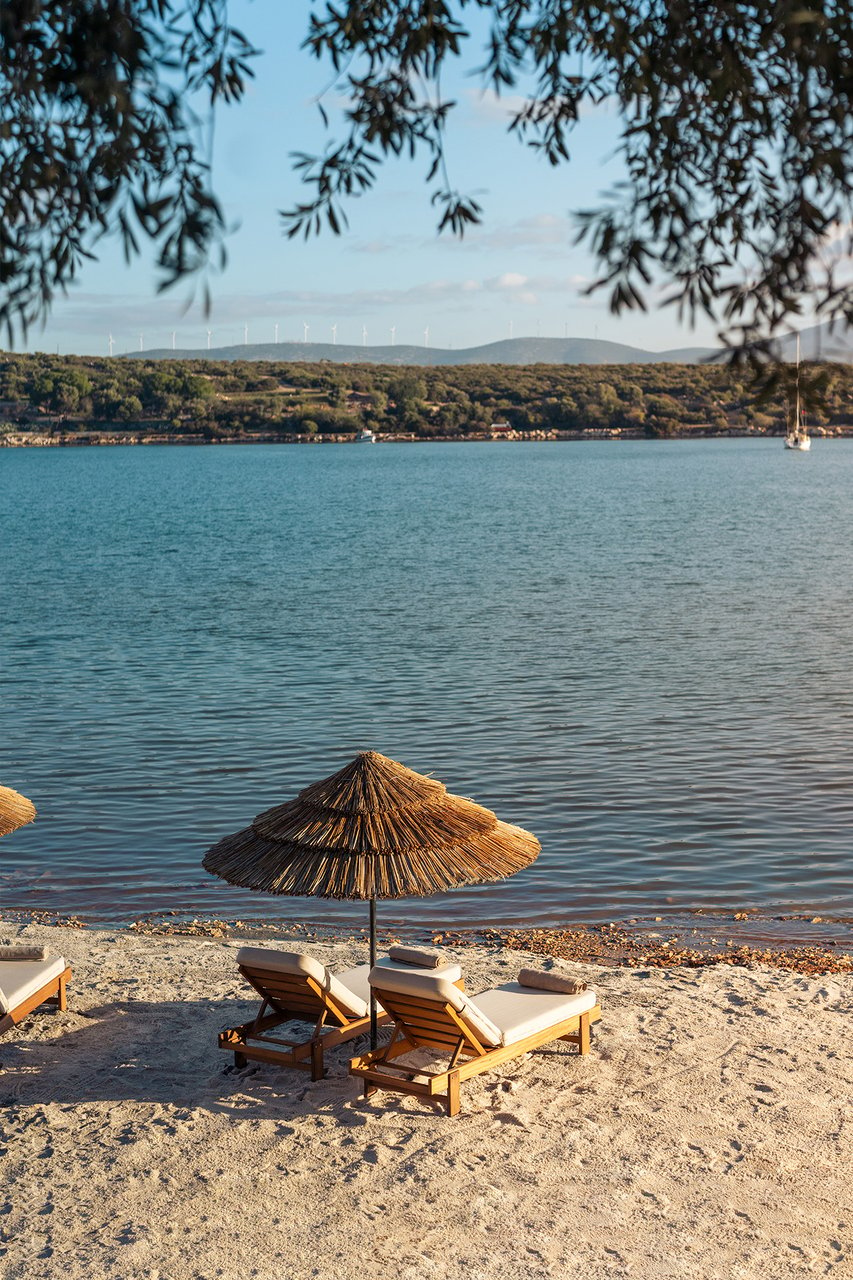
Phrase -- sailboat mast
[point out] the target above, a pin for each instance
(797, 436)
(797, 405)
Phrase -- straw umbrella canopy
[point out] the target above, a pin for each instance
(373, 830)
(15, 811)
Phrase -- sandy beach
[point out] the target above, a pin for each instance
(707, 1134)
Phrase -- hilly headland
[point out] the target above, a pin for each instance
(75, 400)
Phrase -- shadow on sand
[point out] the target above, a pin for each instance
(162, 1052)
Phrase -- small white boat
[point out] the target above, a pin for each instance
(366, 436)
(797, 436)
(798, 440)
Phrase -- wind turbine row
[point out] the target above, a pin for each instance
(306, 329)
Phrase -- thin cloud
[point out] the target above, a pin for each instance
(390, 244)
(486, 107)
(510, 280)
(543, 230)
(529, 289)
(240, 317)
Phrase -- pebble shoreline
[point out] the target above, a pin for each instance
(614, 944)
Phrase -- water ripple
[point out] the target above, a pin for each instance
(639, 652)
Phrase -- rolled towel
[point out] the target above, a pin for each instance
(423, 957)
(551, 980)
(24, 953)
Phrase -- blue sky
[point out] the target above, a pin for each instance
(519, 274)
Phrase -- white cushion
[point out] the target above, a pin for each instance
(19, 951)
(449, 971)
(520, 1011)
(424, 983)
(351, 988)
(19, 979)
(282, 961)
(299, 963)
(501, 1016)
(358, 979)
(420, 957)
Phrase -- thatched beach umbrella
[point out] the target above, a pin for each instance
(373, 830)
(15, 811)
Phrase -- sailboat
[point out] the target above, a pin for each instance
(797, 436)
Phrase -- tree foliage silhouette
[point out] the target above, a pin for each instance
(736, 136)
(98, 135)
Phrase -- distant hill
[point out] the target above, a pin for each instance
(815, 343)
(522, 351)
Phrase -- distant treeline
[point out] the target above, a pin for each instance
(222, 400)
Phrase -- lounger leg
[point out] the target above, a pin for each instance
(583, 1034)
(62, 997)
(317, 1070)
(453, 1094)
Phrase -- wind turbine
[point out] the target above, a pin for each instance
(364, 335)
(426, 336)
(334, 335)
(245, 335)
(173, 339)
(510, 331)
(209, 336)
(141, 344)
(276, 332)
(393, 331)
(110, 340)
(306, 329)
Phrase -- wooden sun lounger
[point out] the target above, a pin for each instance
(295, 987)
(436, 1019)
(51, 991)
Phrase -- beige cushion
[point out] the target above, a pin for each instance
(17, 951)
(424, 983)
(421, 957)
(282, 961)
(358, 979)
(551, 980)
(298, 962)
(449, 970)
(20, 979)
(355, 980)
(520, 1011)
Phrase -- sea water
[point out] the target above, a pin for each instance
(640, 651)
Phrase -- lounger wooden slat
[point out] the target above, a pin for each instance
(430, 1024)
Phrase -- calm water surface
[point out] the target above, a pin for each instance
(639, 651)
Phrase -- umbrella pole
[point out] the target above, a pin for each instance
(372, 965)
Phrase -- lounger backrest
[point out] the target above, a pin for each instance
(282, 977)
(416, 999)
